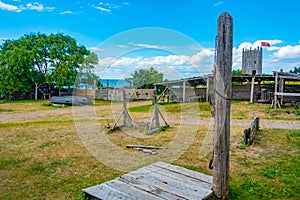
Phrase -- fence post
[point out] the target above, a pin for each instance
(222, 106)
(252, 89)
(275, 90)
(207, 89)
(183, 91)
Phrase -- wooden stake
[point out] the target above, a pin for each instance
(222, 106)
(252, 89)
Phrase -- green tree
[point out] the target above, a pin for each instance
(86, 73)
(36, 58)
(16, 73)
(66, 58)
(296, 70)
(237, 72)
(145, 78)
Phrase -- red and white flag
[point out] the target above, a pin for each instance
(265, 44)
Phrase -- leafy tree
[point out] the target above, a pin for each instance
(16, 73)
(145, 78)
(296, 70)
(66, 58)
(237, 72)
(36, 58)
(86, 73)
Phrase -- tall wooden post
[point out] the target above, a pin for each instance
(252, 89)
(183, 92)
(125, 107)
(275, 90)
(281, 89)
(35, 91)
(95, 88)
(207, 89)
(222, 106)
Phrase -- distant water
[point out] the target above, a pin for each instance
(114, 83)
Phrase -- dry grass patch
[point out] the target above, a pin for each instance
(44, 158)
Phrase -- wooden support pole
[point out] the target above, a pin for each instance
(95, 88)
(275, 91)
(252, 89)
(222, 106)
(281, 88)
(124, 107)
(157, 124)
(207, 89)
(183, 92)
(107, 88)
(35, 92)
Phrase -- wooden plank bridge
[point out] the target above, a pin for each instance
(155, 182)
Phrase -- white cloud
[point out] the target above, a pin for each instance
(29, 6)
(67, 12)
(172, 66)
(150, 46)
(103, 9)
(219, 3)
(95, 49)
(35, 6)
(9, 7)
(177, 66)
(122, 46)
(109, 7)
(288, 52)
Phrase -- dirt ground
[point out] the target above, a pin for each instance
(33, 115)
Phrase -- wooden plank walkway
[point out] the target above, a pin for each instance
(155, 182)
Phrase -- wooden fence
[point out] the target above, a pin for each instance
(250, 132)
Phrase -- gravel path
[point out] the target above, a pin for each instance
(170, 119)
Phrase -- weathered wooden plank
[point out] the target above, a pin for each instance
(131, 191)
(104, 191)
(184, 171)
(168, 182)
(192, 182)
(174, 183)
(156, 181)
(152, 185)
(222, 88)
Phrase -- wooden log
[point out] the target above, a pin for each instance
(222, 106)
(142, 146)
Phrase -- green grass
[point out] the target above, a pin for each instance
(268, 169)
(44, 158)
(26, 106)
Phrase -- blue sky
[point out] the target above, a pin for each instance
(175, 37)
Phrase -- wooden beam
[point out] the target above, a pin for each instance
(222, 107)
(287, 94)
(290, 77)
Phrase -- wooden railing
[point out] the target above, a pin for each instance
(250, 132)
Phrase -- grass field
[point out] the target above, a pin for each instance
(42, 157)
